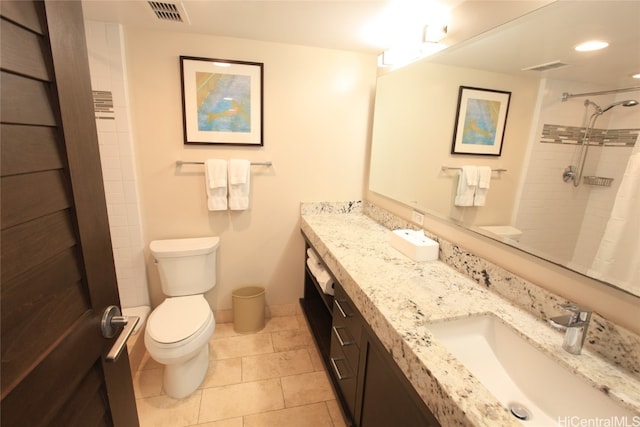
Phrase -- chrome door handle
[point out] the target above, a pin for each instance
(112, 319)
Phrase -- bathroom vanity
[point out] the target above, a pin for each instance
(370, 387)
(386, 365)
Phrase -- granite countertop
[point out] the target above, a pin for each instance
(398, 298)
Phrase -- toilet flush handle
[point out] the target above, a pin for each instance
(112, 320)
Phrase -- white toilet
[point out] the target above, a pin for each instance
(178, 330)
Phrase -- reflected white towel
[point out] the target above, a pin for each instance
(239, 183)
(215, 173)
(467, 183)
(484, 181)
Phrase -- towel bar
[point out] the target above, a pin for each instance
(180, 163)
(446, 168)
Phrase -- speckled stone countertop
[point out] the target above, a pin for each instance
(398, 298)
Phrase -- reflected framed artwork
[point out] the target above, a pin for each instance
(221, 101)
(480, 121)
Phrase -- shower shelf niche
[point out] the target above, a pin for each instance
(598, 180)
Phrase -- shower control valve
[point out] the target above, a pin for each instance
(569, 173)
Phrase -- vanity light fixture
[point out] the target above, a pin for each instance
(399, 56)
(636, 76)
(434, 33)
(591, 45)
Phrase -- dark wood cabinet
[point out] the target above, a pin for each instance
(371, 388)
(387, 396)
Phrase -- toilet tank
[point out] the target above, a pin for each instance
(186, 266)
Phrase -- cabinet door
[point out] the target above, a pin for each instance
(388, 399)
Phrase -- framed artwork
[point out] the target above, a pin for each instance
(221, 101)
(480, 121)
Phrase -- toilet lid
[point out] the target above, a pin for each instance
(178, 318)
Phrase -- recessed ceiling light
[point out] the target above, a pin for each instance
(591, 45)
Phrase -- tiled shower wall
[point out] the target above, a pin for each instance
(573, 218)
(106, 63)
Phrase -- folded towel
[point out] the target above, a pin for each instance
(484, 176)
(215, 173)
(239, 171)
(467, 183)
(484, 180)
(239, 183)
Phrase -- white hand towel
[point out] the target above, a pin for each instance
(484, 181)
(239, 183)
(467, 183)
(215, 173)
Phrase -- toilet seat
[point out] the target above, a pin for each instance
(178, 319)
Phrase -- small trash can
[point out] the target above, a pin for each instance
(248, 309)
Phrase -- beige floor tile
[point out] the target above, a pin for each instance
(223, 372)
(283, 309)
(336, 413)
(280, 323)
(233, 422)
(315, 415)
(307, 388)
(219, 403)
(291, 340)
(316, 359)
(163, 411)
(223, 330)
(271, 378)
(302, 320)
(148, 382)
(241, 345)
(149, 363)
(276, 365)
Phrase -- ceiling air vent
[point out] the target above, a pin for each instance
(546, 67)
(173, 12)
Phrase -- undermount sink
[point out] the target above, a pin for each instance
(521, 377)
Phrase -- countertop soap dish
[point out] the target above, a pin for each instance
(415, 245)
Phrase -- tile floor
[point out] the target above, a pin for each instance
(271, 378)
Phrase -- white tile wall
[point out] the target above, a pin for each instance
(106, 63)
(573, 219)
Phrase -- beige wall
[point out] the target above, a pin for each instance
(317, 117)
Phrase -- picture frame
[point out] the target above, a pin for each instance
(222, 101)
(481, 120)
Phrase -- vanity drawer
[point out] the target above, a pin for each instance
(346, 317)
(341, 338)
(345, 375)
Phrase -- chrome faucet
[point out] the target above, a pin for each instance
(576, 324)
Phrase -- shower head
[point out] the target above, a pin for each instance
(627, 103)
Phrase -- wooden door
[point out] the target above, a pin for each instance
(57, 266)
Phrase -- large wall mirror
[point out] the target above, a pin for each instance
(569, 191)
